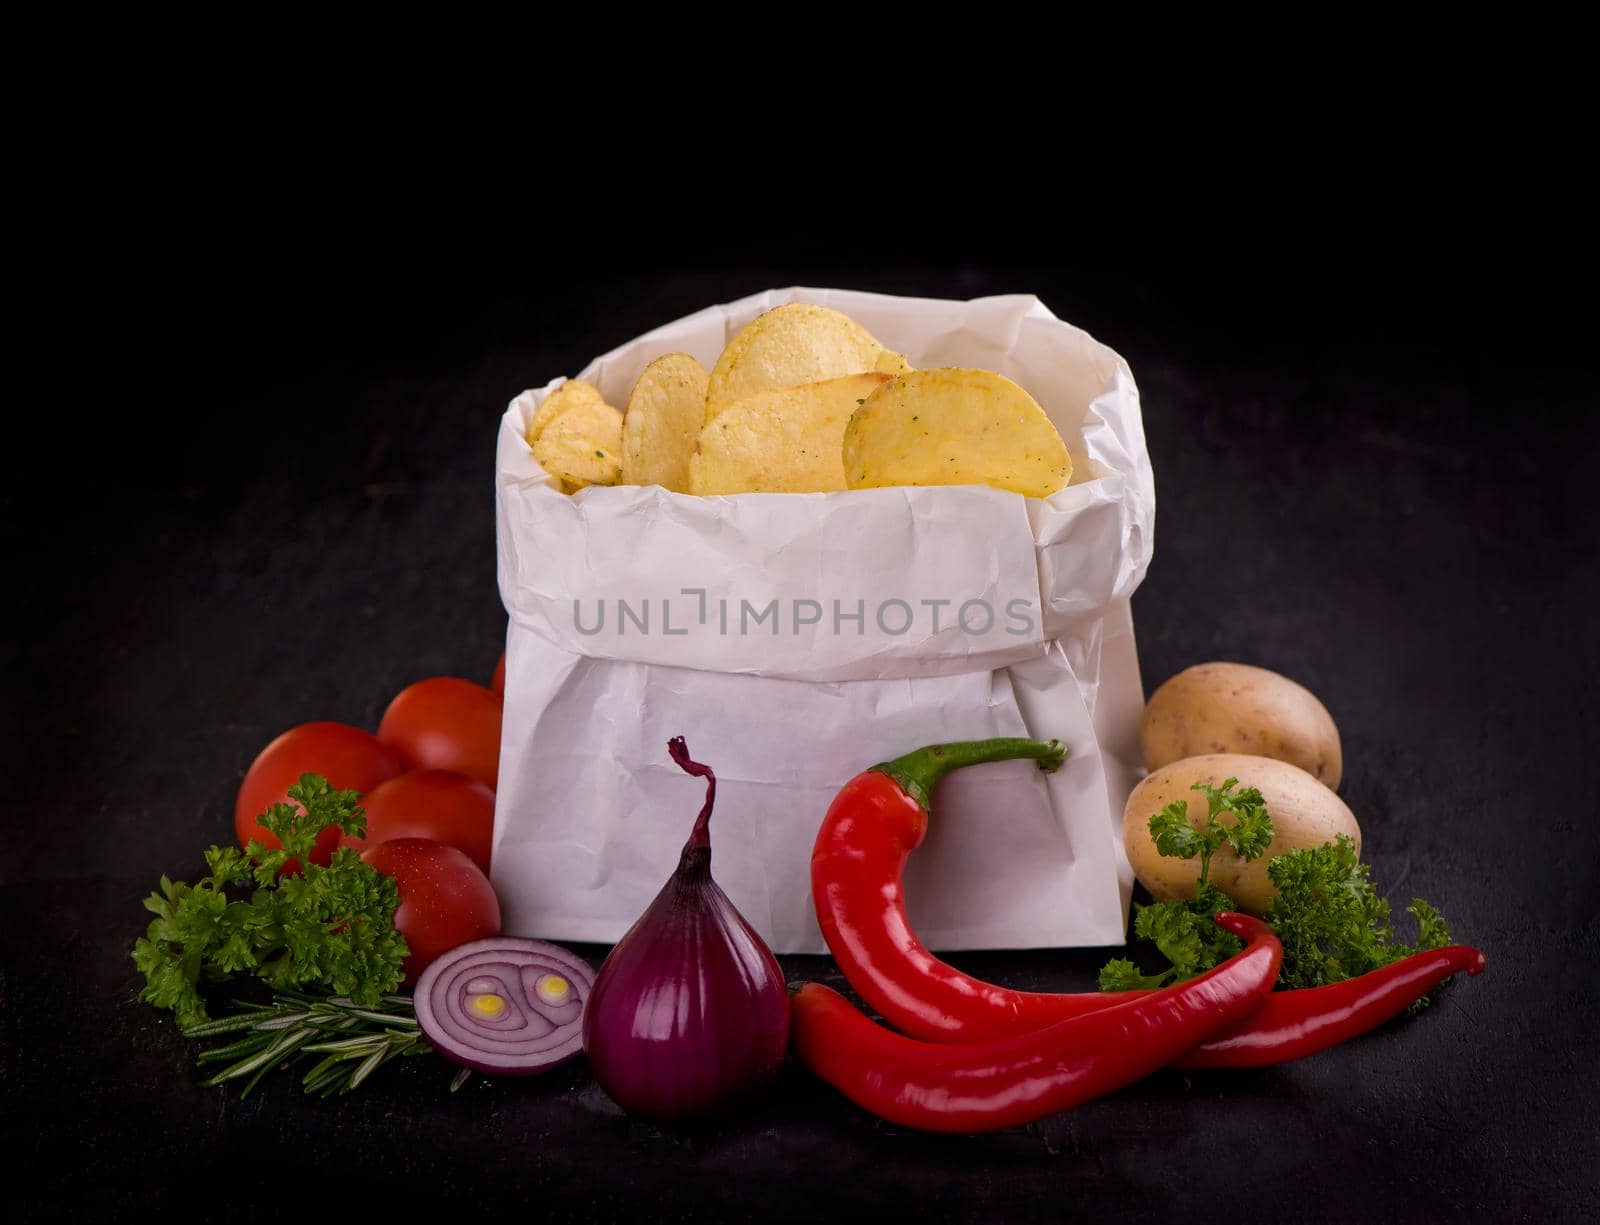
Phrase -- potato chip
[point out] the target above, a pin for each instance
(789, 346)
(662, 423)
(892, 363)
(573, 391)
(583, 445)
(955, 427)
(788, 440)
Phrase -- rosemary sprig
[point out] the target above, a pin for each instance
(354, 1041)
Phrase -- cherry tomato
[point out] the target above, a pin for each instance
(446, 723)
(444, 900)
(438, 804)
(347, 756)
(498, 681)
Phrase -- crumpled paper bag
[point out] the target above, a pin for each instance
(797, 639)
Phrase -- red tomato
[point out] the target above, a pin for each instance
(444, 899)
(446, 724)
(347, 756)
(498, 681)
(438, 804)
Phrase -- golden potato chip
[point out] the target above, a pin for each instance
(892, 363)
(955, 427)
(573, 391)
(788, 440)
(583, 445)
(662, 422)
(789, 346)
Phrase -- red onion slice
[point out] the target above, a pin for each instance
(505, 1005)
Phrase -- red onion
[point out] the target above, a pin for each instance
(690, 1011)
(507, 1006)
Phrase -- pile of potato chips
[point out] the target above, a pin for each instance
(802, 400)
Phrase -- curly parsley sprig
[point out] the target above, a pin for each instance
(1183, 931)
(329, 929)
(1248, 835)
(1331, 921)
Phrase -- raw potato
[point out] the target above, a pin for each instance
(955, 427)
(789, 346)
(573, 391)
(1234, 708)
(785, 441)
(1303, 811)
(662, 422)
(583, 445)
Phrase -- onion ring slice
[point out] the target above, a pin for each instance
(479, 1005)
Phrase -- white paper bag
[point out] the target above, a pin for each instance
(797, 639)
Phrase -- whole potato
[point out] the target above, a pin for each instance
(1303, 812)
(1234, 708)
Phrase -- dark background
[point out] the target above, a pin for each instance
(262, 495)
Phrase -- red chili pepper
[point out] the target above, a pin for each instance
(1294, 1024)
(872, 827)
(1006, 1082)
(881, 816)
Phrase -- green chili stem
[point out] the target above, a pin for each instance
(918, 772)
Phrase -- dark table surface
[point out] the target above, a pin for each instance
(275, 517)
